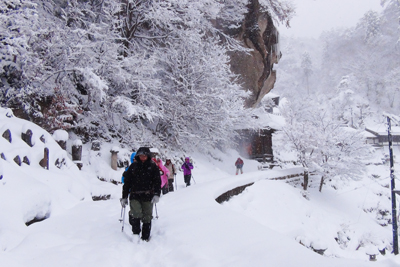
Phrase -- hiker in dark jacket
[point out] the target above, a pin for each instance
(239, 166)
(143, 182)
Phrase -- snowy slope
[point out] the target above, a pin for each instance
(192, 230)
(260, 227)
(29, 191)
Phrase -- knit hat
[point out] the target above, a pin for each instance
(143, 151)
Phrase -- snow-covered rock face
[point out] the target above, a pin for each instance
(258, 33)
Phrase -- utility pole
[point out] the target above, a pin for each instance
(394, 215)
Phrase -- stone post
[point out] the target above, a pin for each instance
(45, 161)
(7, 135)
(77, 153)
(17, 160)
(319, 247)
(27, 137)
(114, 158)
(26, 160)
(95, 145)
(63, 144)
(77, 150)
(372, 252)
(61, 137)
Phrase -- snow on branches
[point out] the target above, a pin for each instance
(322, 144)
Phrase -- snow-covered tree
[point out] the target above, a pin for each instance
(18, 19)
(371, 24)
(347, 54)
(121, 69)
(348, 106)
(322, 145)
(392, 86)
(200, 95)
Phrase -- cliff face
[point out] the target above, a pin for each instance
(258, 33)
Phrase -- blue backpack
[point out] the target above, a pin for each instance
(132, 158)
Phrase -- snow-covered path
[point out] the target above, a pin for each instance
(192, 230)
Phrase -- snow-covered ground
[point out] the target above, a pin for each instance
(263, 226)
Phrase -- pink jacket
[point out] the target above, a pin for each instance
(164, 177)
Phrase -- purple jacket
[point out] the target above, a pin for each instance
(187, 167)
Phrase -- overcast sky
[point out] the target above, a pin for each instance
(315, 16)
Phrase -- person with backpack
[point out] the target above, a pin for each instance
(239, 166)
(132, 160)
(164, 172)
(187, 171)
(172, 173)
(143, 185)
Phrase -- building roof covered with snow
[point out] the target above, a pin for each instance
(377, 134)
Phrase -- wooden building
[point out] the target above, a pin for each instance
(256, 144)
(378, 135)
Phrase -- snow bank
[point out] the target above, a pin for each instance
(29, 191)
(60, 135)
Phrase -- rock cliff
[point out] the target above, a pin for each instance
(258, 33)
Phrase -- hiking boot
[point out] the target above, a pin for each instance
(135, 222)
(146, 231)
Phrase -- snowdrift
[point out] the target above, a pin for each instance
(30, 192)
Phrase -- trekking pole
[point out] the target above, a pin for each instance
(122, 209)
(155, 205)
(193, 179)
(123, 220)
(176, 184)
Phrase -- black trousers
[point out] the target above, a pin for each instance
(164, 189)
(187, 179)
(170, 185)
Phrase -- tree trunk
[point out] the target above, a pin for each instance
(321, 184)
(305, 184)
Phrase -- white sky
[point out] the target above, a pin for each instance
(315, 16)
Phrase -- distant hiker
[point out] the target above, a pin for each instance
(172, 173)
(239, 166)
(132, 160)
(143, 182)
(187, 171)
(164, 172)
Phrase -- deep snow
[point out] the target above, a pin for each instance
(263, 226)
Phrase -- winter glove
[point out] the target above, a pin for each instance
(155, 199)
(124, 202)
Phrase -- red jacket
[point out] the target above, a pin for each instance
(239, 161)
